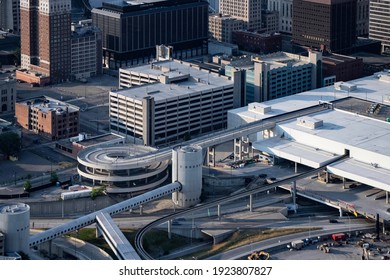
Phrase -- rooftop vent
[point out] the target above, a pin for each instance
(259, 108)
(345, 86)
(309, 122)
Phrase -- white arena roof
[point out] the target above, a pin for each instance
(362, 172)
(295, 152)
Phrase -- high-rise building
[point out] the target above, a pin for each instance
(46, 37)
(7, 95)
(131, 29)
(221, 27)
(325, 23)
(362, 17)
(285, 10)
(380, 22)
(86, 54)
(247, 10)
(10, 15)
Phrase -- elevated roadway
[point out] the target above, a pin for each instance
(93, 159)
(140, 234)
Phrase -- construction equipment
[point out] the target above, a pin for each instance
(324, 247)
(261, 255)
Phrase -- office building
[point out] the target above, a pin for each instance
(131, 30)
(362, 18)
(380, 22)
(248, 11)
(276, 75)
(86, 53)
(168, 101)
(285, 11)
(46, 38)
(329, 24)
(48, 117)
(10, 15)
(221, 27)
(7, 95)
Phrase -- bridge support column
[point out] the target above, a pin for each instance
(50, 247)
(296, 167)
(341, 212)
(326, 177)
(250, 202)
(294, 194)
(387, 197)
(219, 211)
(343, 183)
(211, 156)
(170, 229)
(241, 148)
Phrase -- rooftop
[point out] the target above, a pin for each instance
(282, 59)
(369, 88)
(184, 79)
(46, 104)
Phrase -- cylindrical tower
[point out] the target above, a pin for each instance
(187, 170)
(15, 224)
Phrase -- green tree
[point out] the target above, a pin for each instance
(10, 144)
(53, 178)
(187, 136)
(17, 55)
(27, 185)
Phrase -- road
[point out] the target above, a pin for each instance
(265, 245)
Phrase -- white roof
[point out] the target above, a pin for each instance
(370, 88)
(362, 172)
(347, 129)
(295, 152)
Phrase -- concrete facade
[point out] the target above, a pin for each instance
(15, 225)
(7, 96)
(379, 22)
(247, 10)
(86, 54)
(169, 100)
(187, 165)
(10, 15)
(276, 75)
(285, 10)
(221, 27)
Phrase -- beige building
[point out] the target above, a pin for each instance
(169, 100)
(248, 11)
(221, 27)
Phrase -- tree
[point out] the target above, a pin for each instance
(10, 144)
(53, 178)
(187, 136)
(27, 185)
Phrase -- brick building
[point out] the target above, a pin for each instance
(46, 38)
(261, 43)
(344, 68)
(48, 117)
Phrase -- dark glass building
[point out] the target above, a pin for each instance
(325, 23)
(131, 30)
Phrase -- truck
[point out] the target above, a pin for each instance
(338, 236)
(297, 244)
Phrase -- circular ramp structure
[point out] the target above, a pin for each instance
(116, 166)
